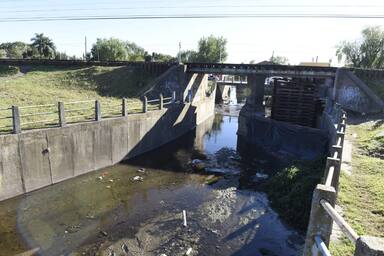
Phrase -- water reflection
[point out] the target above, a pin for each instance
(99, 212)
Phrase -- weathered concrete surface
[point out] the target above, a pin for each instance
(353, 94)
(39, 158)
(258, 134)
(369, 246)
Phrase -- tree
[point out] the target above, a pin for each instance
(366, 52)
(212, 49)
(3, 54)
(135, 52)
(279, 60)
(44, 45)
(14, 50)
(111, 49)
(188, 56)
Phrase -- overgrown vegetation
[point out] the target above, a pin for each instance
(361, 193)
(8, 71)
(290, 191)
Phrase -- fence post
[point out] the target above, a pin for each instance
(369, 246)
(320, 223)
(161, 101)
(62, 121)
(174, 97)
(145, 104)
(16, 120)
(124, 106)
(97, 110)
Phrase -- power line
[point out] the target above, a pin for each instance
(193, 7)
(196, 16)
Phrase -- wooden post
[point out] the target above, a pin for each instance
(124, 106)
(62, 121)
(161, 101)
(16, 120)
(97, 111)
(320, 223)
(145, 104)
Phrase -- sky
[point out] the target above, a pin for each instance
(298, 39)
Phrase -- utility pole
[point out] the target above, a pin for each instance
(179, 52)
(85, 46)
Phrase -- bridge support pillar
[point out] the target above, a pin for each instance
(256, 99)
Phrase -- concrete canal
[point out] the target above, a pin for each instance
(135, 207)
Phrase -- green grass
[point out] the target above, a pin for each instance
(291, 189)
(48, 85)
(361, 194)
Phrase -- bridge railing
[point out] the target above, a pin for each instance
(15, 119)
(323, 213)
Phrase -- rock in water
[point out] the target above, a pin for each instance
(197, 165)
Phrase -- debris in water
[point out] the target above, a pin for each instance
(197, 165)
(212, 179)
(137, 178)
(108, 186)
(100, 178)
(141, 170)
(103, 233)
(111, 180)
(111, 253)
(189, 251)
(184, 218)
(124, 247)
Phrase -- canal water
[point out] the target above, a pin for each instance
(135, 208)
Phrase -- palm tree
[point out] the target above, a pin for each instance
(44, 45)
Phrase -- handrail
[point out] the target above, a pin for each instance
(322, 246)
(331, 171)
(79, 102)
(344, 226)
(38, 106)
(39, 114)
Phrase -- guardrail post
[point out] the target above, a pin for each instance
(320, 223)
(369, 246)
(62, 121)
(342, 136)
(161, 101)
(145, 104)
(16, 120)
(97, 110)
(335, 162)
(124, 110)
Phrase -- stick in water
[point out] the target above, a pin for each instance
(184, 218)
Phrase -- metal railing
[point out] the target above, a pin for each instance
(323, 213)
(15, 119)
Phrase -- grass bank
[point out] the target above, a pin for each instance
(43, 85)
(290, 191)
(361, 194)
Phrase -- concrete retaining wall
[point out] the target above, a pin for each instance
(39, 158)
(352, 94)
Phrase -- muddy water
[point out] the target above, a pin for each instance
(113, 212)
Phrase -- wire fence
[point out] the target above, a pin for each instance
(16, 119)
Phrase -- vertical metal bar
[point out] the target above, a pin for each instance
(16, 120)
(124, 109)
(174, 97)
(97, 110)
(145, 104)
(62, 121)
(161, 101)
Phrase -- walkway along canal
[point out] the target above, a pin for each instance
(135, 207)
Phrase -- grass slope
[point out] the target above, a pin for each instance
(361, 194)
(48, 85)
